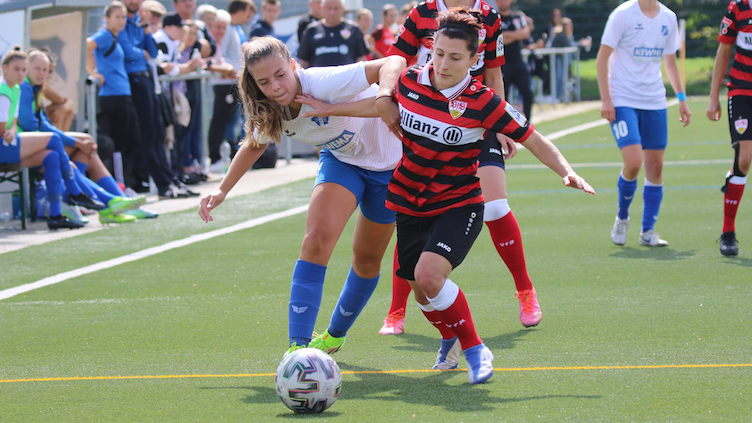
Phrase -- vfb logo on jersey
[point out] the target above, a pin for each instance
(741, 125)
(457, 108)
(481, 35)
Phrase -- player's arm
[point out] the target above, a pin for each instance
(672, 70)
(601, 65)
(722, 57)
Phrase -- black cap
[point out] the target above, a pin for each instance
(172, 19)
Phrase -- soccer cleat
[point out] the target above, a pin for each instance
(619, 232)
(121, 204)
(729, 246)
(141, 214)
(106, 216)
(479, 363)
(530, 312)
(394, 323)
(73, 213)
(293, 347)
(84, 200)
(449, 355)
(62, 222)
(650, 238)
(327, 343)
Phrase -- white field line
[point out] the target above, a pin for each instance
(11, 292)
(620, 164)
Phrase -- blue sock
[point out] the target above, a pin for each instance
(652, 195)
(111, 186)
(626, 195)
(81, 182)
(56, 145)
(87, 185)
(53, 180)
(354, 296)
(305, 300)
(81, 167)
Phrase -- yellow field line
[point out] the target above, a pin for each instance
(368, 372)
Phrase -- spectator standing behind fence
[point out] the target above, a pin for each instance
(270, 10)
(205, 16)
(185, 9)
(515, 30)
(151, 12)
(313, 15)
(364, 19)
(226, 90)
(332, 41)
(383, 38)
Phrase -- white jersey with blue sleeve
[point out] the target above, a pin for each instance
(639, 43)
(362, 142)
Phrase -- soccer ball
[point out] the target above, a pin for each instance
(308, 381)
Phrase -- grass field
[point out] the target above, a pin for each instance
(196, 333)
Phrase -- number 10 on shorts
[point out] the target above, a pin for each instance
(620, 129)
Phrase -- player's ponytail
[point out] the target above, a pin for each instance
(264, 116)
(13, 54)
(461, 24)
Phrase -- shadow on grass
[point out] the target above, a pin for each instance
(431, 390)
(659, 253)
(738, 261)
(423, 343)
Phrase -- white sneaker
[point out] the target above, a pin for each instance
(619, 232)
(216, 168)
(449, 355)
(73, 213)
(479, 363)
(652, 239)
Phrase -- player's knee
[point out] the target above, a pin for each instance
(366, 264)
(317, 244)
(428, 279)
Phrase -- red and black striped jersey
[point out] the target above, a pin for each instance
(441, 130)
(736, 28)
(415, 39)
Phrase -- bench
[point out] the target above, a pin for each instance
(13, 172)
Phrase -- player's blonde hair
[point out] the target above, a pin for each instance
(263, 116)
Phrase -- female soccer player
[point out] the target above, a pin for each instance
(734, 29)
(639, 34)
(36, 149)
(357, 159)
(415, 41)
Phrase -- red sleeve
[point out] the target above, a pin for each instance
(503, 118)
(407, 40)
(728, 25)
(494, 44)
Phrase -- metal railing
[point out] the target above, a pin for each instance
(552, 54)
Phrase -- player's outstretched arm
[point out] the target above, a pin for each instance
(243, 160)
(719, 71)
(362, 108)
(550, 156)
(672, 70)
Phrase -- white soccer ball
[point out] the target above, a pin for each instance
(308, 381)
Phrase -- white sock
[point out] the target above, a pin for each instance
(446, 296)
(495, 210)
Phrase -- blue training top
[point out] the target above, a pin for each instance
(134, 42)
(111, 67)
(32, 118)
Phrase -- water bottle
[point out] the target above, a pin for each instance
(224, 154)
(196, 55)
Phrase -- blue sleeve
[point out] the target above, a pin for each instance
(150, 45)
(27, 119)
(103, 38)
(130, 49)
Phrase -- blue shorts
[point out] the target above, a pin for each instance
(648, 128)
(10, 153)
(368, 186)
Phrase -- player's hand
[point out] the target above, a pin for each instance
(508, 146)
(714, 110)
(389, 112)
(320, 108)
(86, 146)
(684, 112)
(99, 77)
(608, 111)
(576, 181)
(9, 134)
(209, 203)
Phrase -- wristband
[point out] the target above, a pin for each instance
(382, 96)
(682, 96)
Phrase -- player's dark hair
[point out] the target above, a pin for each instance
(13, 54)
(236, 6)
(264, 116)
(459, 23)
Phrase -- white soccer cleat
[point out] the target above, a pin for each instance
(651, 238)
(619, 232)
(479, 364)
(449, 354)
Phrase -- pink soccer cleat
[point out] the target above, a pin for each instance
(530, 312)
(394, 323)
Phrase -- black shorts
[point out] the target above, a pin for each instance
(739, 117)
(451, 235)
(490, 151)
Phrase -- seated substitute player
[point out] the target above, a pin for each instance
(415, 41)
(637, 36)
(435, 190)
(357, 159)
(734, 29)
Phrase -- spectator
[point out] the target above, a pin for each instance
(515, 30)
(332, 41)
(270, 10)
(405, 12)
(364, 19)
(217, 62)
(226, 91)
(205, 16)
(563, 36)
(554, 24)
(313, 15)
(151, 12)
(383, 37)
(185, 9)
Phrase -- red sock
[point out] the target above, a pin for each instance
(731, 204)
(400, 288)
(434, 318)
(458, 318)
(505, 233)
